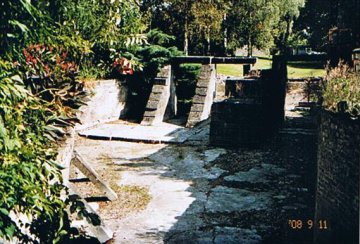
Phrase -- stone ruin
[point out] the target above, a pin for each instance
(162, 102)
(252, 110)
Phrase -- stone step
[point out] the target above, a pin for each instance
(297, 131)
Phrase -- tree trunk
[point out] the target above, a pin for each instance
(186, 36)
(286, 36)
(225, 36)
(249, 46)
(208, 40)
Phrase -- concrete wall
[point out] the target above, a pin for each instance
(106, 103)
(337, 196)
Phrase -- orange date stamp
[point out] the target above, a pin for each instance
(297, 224)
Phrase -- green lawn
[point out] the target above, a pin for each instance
(297, 69)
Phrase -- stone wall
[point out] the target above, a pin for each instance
(107, 102)
(237, 122)
(337, 197)
(162, 98)
(253, 114)
(204, 95)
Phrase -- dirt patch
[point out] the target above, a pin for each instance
(131, 199)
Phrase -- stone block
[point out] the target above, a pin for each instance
(106, 104)
(337, 195)
(160, 81)
(152, 105)
(160, 96)
(204, 94)
(198, 99)
(150, 113)
(202, 83)
(236, 124)
(201, 91)
(155, 96)
(197, 107)
(157, 89)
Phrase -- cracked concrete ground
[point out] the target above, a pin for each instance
(201, 194)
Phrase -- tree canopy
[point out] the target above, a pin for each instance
(256, 23)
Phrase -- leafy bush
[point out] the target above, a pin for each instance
(148, 58)
(341, 90)
(32, 206)
(50, 75)
(186, 76)
(29, 176)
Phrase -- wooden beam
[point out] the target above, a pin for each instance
(213, 60)
(102, 232)
(89, 172)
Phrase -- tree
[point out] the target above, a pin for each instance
(319, 16)
(208, 18)
(260, 23)
(290, 10)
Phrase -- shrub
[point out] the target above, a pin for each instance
(29, 176)
(50, 75)
(32, 206)
(341, 90)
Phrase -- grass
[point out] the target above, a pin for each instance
(298, 69)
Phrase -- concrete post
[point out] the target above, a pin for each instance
(204, 95)
(159, 98)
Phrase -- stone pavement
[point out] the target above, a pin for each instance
(200, 194)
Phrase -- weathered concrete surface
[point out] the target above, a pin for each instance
(106, 104)
(198, 194)
(125, 131)
(202, 194)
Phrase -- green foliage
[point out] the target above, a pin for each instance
(51, 76)
(186, 76)
(32, 206)
(77, 34)
(14, 24)
(29, 177)
(297, 39)
(225, 23)
(146, 60)
(261, 24)
(95, 27)
(341, 91)
(318, 17)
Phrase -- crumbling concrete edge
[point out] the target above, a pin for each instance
(64, 158)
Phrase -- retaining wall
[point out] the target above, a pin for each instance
(337, 195)
(106, 103)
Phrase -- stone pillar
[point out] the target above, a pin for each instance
(159, 98)
(204, 95)
(246, 69)
(171, 110)
(279, 76)
(356, 59)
